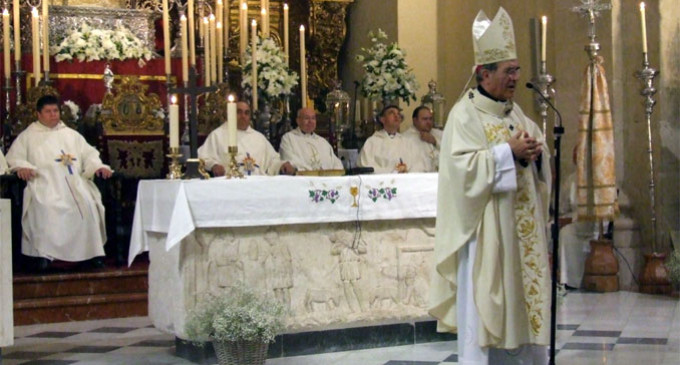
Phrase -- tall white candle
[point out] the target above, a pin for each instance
(174, 122)
(183, 40)
(35, 32)
(192, 32)
(231, 121)
(544, 36)
(166, 36)
(244, 31)
(219, 54)
(286, 46)
(5, 43)
(206, 51)
(643, 23)
(265, 23)
(46, 35)
(213, 48)
(17, 35)
(253, 51)
(303, 67)
(225, 29)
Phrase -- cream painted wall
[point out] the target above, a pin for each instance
(417, 29)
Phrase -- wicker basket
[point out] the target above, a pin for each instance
(241, 352)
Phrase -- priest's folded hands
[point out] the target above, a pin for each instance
(524, 147)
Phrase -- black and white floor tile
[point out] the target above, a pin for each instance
(617, 328)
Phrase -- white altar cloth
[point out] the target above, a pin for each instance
(177, 207)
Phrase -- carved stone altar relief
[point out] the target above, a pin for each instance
(349, 248)
(278, 268)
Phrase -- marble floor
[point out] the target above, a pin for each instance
(617, 328)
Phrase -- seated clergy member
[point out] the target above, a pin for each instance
(426, 138)
(388, 151)
(256, 156)
(305, 149)
(63, 216)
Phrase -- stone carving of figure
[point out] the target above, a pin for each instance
(348, 249)
(225, 269)
(279, 268)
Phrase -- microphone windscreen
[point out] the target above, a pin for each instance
(529, 85)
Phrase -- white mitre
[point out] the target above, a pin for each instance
(493, 41)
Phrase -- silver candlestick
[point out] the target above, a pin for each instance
(544, 83)
(19, 74)
(647, 75)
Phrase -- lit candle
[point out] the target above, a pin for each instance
(35, 32)
(265, 27)
(174, 122)
(244, 31)
(183, 40)
(303, 67)
(253, 50)
(192, 33)
(213, 48)
(219, 14)
(5, 43)
(17, 29)
(206, 50)
(286, 47)
(46, 35)
(220, 53)
(231, 121)
(643, 23)
(166, 36)
(544, 36)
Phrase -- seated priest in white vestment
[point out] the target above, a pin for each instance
(256, 156)
(4, 168)
(426, 138)
(387, 151)
(305, 149)
(63, 216)
(491, 282)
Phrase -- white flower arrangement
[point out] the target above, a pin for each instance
(239, 314)
(274, 78)
(74, 108)
(387, 73)
(89, 44)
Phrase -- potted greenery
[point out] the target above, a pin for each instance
(240, 322)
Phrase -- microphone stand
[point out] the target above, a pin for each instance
(558, 131)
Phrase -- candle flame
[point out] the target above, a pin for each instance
(218, 25)
(230, 98)
(254, 23)
(544, 19)
(285, 6)
(642, 5)
(212, 17)
(5, 13)
(302, 28)
(173, 99)
(205, 20)
(34, 12)
(244, 6)
(264, 11)
(183, 18)
(219, 2)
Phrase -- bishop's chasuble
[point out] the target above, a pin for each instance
(510, 273)
(256, 156)
(63, 217)
(308, 151)
(428, 150)
(388, 154)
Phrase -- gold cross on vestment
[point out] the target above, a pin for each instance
(66, 160)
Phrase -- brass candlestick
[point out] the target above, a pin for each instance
(233, 171)
(175, 168)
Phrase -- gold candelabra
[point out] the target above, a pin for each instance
(233, 171)
(175, 168)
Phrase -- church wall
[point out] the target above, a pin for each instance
(669, 113)
(418, 36)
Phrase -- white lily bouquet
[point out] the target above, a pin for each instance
(73, 108)
(89, 44)
(387, 74)
(274, 78)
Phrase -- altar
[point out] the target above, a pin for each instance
(338, 252)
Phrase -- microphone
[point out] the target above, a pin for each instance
(558, 128)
